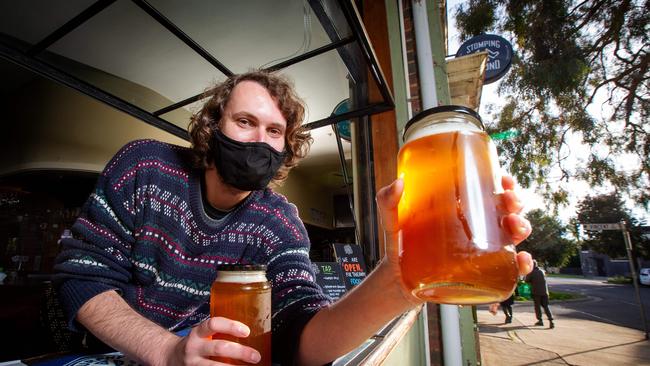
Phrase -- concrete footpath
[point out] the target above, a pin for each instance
(571, 342)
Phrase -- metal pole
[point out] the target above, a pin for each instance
(449, 315)
(344, 169)
(628, 248)
(426, 76)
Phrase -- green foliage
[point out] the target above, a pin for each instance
(478, 16)
(547, 243)
(574, 261)
(566, 54)
(621, 280)
(609, 208)
(559, 275)
(552, 295)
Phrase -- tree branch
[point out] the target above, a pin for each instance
(587, 16)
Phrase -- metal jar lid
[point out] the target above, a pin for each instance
(228, 267)
(422, 115)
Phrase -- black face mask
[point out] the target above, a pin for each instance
(248, 166)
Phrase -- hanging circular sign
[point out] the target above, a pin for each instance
(499, 52)
(343, 126)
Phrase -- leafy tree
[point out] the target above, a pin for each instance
(548, 243)
(609, 208)
(569, 55)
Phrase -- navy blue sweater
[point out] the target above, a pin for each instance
(144, 233)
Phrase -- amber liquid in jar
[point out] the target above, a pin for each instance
(244, 296)
(454, 250)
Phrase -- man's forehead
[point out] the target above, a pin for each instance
(247, 87)
(246, 91)
(251, 97)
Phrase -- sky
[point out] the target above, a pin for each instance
(531, 199)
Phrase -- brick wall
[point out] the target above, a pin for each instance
(411, 58)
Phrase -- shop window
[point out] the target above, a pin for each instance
(321, 240)
(35, 209)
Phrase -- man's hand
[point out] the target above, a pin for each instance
(198, 345)
(114, 322)
(516, 225)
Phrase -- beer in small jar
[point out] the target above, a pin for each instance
(242, 293)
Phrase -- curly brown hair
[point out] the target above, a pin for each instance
(203, 123)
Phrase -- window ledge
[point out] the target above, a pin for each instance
(376, 349)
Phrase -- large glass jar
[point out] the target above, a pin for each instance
(454, 249)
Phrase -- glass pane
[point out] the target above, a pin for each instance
(323, 163)
(333, 15)
(248, 34)
(321, 82)
(181, 116)
(127, 53)
(33, 20)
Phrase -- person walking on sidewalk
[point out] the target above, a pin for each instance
(506, 306)
(539, 290)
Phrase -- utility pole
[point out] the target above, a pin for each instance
(628, 248)
(635, 280)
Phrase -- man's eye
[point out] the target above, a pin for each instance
(275, 132)
(244, 121)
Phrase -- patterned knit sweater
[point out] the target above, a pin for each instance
(144, 233)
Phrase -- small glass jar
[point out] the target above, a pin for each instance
(242, 293)
(454, 249)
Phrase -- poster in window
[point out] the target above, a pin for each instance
(350, 258)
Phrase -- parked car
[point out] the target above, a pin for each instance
(644, 276)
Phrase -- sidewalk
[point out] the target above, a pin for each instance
(572, 342)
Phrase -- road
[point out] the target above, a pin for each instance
(610, 303)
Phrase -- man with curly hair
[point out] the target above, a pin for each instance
(145, 249)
